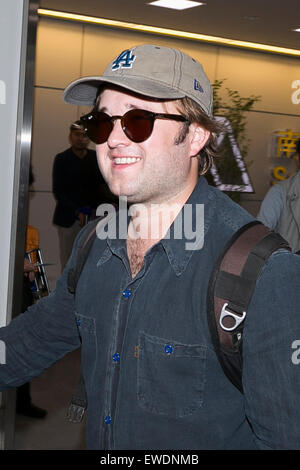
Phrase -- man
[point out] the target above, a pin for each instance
(78, 188)
(280, 209)
(152, 377)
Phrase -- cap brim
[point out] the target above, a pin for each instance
(84, 90)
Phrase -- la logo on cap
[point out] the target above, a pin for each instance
(124, 60)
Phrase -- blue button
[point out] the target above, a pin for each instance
(126, 293)
(168, 349)
(107, 419)
(116, 357)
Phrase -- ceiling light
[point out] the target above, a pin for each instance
(297, 30)
(176, 4)
(168, 32)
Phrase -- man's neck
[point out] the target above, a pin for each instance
(151, 221)
(80, 153)
(148, 225)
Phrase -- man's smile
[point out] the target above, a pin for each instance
(125, 160)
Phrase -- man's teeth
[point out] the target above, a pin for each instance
(127, 160)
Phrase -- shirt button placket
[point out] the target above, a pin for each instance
(116, 356)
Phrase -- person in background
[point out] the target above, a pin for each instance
(78, 187)
(24, 405)
(280, 209)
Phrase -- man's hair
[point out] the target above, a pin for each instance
(194, 113)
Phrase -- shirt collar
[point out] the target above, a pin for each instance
(194, 219)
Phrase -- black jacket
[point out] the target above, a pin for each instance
(77, 183)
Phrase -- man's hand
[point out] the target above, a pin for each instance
(29, 269)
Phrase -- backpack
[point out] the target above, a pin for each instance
(231, 285)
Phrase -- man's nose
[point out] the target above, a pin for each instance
(117, 135)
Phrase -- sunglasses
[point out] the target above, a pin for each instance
(137, 124)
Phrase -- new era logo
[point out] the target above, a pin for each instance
(197, 86)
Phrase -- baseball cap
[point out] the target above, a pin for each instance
(152, 71)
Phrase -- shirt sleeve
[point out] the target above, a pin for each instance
(39, 337)
(271, 207)
(271, 369)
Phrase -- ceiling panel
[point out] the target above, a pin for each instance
(264, 21)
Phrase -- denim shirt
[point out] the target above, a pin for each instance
(152, 377)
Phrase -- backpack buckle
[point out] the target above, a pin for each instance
(75, 413)
(237, 318)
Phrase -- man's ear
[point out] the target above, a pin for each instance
(198, 138)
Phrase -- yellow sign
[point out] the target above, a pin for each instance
(284, 149)
(286, 143)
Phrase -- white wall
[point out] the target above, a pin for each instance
(67, 50)
(10, 53)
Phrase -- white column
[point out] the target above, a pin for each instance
(18, 20)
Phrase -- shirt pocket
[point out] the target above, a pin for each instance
(170, 376)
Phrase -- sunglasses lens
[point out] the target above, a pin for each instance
(138, 125)
(98, 126)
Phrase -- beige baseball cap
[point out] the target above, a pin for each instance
(152, 71)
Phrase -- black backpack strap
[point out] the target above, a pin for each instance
(231, 285)
(83, 250)
(78, 403)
